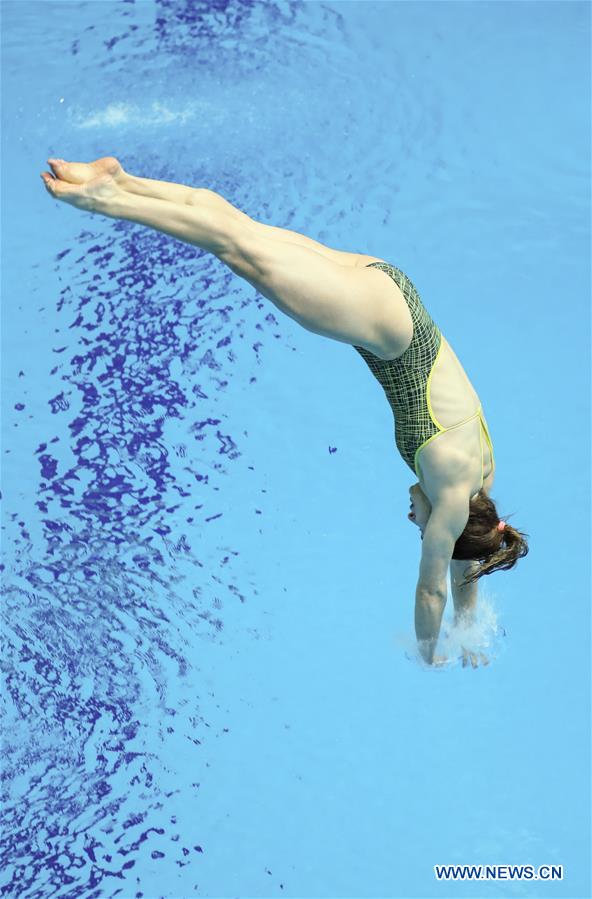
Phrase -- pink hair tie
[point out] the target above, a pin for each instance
(501, 525)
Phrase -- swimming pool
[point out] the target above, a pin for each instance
(210, 687)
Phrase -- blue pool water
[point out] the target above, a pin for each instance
(210, 685)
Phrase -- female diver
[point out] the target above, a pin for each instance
(440, 429)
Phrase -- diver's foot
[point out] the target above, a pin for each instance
(82, 172)
(93, 195)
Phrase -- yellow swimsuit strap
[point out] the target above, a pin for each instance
(482, 427)
(442, 430)
(488, 438)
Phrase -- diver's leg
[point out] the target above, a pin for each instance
(80, 172)
(350, 304)
(181, 193)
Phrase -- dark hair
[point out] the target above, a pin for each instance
(483, 542)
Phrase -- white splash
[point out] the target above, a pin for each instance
(482, 637)
(117, 114)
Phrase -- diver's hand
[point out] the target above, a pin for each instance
(473, 657)
(438, 661)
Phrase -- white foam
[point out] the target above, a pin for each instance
(483, 635)
(117, 114)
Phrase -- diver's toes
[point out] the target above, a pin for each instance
(54, 185)
(59, 168)
(70, 172)
(57, 188)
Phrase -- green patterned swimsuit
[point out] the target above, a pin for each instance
(405, 380)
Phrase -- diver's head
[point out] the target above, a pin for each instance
(496, 544)
(483, 540)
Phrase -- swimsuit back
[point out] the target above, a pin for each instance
(405, 380)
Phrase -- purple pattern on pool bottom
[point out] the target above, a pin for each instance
(105, 605)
